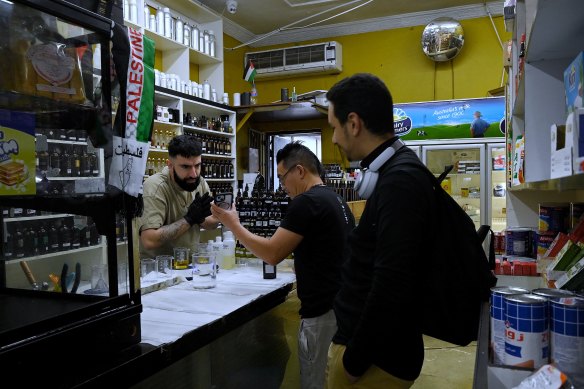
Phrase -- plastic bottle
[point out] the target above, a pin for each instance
(217, 248)
(146, 21)
(228, 250)
(212, 43)
(167, 23)
(213, 95)
(253, 98)
(133, 8)
(160, 21)
(187, 35)
(206, 90)
(294, 96)
(178, 30)
(195, 36)
(206, 47)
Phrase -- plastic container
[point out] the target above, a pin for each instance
(228, 250)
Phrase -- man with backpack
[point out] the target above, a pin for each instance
(379, 339)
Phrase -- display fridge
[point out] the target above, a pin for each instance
(477, 178)
(68, 296)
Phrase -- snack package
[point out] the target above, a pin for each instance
(547, 377)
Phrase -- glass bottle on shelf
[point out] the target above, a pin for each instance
(167, 23)
(212, 43)
(66, 167)
(75, 163)
(195, 38)
(94, 164)
(53, 238)
(178, 30)
(19, 251)
(55, 161)
(64, 236)
(85, 168)
(206, 47)
(160, 21)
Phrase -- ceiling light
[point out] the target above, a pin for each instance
(301, 3)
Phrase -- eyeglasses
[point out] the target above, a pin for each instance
(283, 177)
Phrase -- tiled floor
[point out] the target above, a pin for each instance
(445, 366)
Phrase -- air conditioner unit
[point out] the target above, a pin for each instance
(298, 60)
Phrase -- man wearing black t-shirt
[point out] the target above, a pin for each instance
(315, 228)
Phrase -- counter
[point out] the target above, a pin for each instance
(200, 338)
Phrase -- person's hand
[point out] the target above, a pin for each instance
(199, 209)
(228, 217)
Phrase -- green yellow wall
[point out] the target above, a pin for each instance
(396, 57)
(393, 55)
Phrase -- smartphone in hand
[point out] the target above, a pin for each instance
(224, 200)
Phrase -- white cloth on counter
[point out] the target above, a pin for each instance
(170, 313)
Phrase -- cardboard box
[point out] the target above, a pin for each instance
(562, 140)
(573, 79)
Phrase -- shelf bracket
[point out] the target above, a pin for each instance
(244, 119)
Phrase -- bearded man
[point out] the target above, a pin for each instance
(177, 202)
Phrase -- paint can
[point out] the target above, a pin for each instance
(498, 319)
(527, 331)
(551, 293)
(519, 241)
(567, 337)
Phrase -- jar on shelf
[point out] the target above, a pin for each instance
(195, 38)
(212, 44)
(206, 41)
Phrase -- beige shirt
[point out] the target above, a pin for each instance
(165, 203)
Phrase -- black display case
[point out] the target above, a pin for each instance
(68, 294)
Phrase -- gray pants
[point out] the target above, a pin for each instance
(314, 338)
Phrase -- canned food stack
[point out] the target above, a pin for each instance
(532, 329)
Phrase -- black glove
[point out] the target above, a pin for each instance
(199, 209)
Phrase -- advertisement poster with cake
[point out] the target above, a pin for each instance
(17, 153)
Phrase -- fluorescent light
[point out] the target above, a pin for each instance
(7, 2)
(301, 3)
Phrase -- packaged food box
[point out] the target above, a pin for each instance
(573, 79)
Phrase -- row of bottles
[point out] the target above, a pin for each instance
(220, 187)
(333, 171)
(217, 169)
(161, 138)
(162, 22)
(219, 123)
(215, 145)
(167, 114)
(262, 211)
(210, 168)
(38, 237)
(345, 189)
(63, 160)
(62, 134)
(8, 212)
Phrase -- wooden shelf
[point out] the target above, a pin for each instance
(282, 111)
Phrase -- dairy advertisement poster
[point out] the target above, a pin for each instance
(448, 119)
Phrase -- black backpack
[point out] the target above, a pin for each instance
(458, 277)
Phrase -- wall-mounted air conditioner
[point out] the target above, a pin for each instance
(324, 57)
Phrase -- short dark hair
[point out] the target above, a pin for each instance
(296, 153)
(184, 145)
(367, 96)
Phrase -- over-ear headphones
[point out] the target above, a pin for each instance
(366, 181)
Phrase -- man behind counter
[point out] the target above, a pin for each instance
(176, 202)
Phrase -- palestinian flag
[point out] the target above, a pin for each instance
(249, 73)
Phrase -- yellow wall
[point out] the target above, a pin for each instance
(396, 57)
